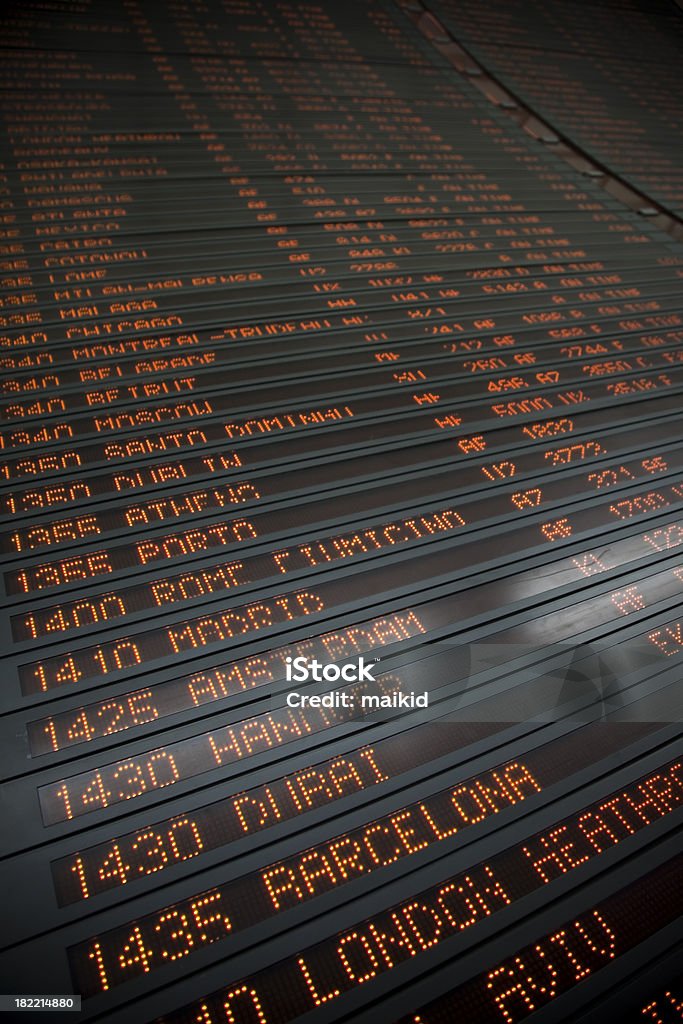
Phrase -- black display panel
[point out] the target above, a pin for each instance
(517, 987)
(330, 339)
(178, 930)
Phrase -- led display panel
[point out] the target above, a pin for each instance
(341, 511)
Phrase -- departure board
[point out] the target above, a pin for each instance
(611, 83)
(341, 511)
